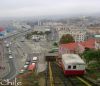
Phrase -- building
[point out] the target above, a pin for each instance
(97, 43)
(77, 47)
(93, 30)
(2, 32)
(41, 28)
(79, 35)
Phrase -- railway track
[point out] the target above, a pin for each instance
(77, 82)
(55, 77)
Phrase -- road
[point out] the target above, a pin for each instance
(21, 51)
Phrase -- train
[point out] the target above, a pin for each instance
(72, 64)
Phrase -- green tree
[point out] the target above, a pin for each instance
(47, 32)
(55, 44)
(97, 55)
(67, 38)
(91, 55)
(88, 56)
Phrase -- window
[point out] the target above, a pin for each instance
(69, 67)
(74, 67)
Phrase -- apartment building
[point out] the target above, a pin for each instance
(79, 35)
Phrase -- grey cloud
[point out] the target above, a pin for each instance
(47, 7)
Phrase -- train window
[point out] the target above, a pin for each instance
(69, 67)
(74, 67)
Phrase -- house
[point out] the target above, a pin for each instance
(77, 47)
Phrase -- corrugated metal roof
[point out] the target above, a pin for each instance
(72, 58)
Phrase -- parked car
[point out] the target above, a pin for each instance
(22, 71)
(10, 57)
(7, 45)
(34, 59)
(27, 62)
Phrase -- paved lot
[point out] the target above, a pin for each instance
(39, 49)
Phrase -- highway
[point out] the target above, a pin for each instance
(19, 53)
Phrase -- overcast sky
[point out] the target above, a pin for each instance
(19, 8)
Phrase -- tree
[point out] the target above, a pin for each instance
(47, 32)
(66, 39)
(97, 55)
(55, 44)
(91, 55)
(88, 55)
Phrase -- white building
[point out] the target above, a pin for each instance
(78, 34)
(41, 28)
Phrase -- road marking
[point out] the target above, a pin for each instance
(50, 75)
(84, 81)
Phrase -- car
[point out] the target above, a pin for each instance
(35, 58)
(25, 66)
(32, 67)
(22, 71)
(27, 62)
(9, 50)
(22, 41)
(10, 53)
(10, 57)
(7, 45)
(10, 43)
(5, 41)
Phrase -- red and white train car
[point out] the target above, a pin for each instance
(72, 64)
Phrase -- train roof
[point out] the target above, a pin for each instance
(72, 59)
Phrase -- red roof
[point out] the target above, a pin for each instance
(70, 46)
(90, 43)
(87, 44)
(1, 29)
(31, 67)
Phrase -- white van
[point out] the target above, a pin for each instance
(34, 59)
(10, 57)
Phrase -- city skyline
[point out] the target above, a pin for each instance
(29, 8)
